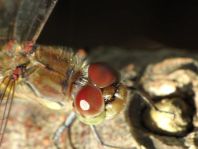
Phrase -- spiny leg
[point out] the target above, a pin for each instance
(100, 140)
(65, 125)
(7, 108)
(7, 95)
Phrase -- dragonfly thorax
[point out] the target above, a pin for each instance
(54, 73)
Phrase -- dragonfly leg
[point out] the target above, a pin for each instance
(65, 125)
(152, 104)
(99, 139)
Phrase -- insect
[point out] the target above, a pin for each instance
(53, 75)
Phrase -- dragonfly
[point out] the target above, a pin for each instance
(53, 75)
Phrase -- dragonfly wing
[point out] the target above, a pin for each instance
(31, 18)
(8, 11)
(23, 20)
(7, 89)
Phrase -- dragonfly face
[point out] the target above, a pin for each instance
(52, 74)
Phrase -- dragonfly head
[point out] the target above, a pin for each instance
(103, 97)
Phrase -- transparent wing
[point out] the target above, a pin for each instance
(8, 12)
(31, 18)
(24, 20)
(7, 89)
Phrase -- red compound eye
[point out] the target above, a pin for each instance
(89, 101)
(101, 75)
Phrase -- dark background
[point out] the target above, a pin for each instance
(126, 23)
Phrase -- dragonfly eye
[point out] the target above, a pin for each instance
(89, 101)
(101, 75)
